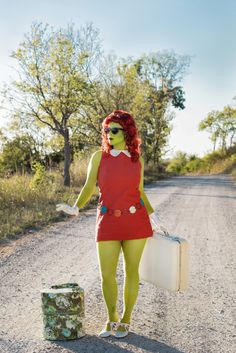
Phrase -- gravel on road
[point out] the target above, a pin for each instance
(201, 209)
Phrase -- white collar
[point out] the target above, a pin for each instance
(116, 153)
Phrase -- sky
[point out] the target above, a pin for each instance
(203, 29)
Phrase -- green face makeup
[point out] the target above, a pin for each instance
(116, 140)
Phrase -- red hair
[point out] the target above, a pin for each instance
(132, 138)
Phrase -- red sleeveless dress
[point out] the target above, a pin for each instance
(121, 213)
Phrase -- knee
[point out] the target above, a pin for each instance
(107, 275)
(131, 271)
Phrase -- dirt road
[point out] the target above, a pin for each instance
(202, 319)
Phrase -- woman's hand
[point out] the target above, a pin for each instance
(73, 211)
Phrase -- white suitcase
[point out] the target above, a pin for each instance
(165, 261)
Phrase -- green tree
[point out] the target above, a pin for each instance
(138, 86)
(162, 73)
(53, 85)
(221, 125)
(18, 155)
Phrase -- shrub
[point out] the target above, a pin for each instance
(194, 165)
(41, 177)
(177, 164)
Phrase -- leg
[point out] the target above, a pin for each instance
(132, 250)
(108, 255)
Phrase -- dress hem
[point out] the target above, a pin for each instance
(141, 237)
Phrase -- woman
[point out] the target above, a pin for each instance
(122, 215)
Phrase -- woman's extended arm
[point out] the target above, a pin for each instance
(88, 188)
(142, 193)
(90, 184)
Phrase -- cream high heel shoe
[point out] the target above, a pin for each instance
(105, 333)
(121, 334)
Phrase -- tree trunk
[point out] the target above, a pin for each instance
(214, 147)
(231, 139)
(67, 160)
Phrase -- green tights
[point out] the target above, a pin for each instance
(108, 255)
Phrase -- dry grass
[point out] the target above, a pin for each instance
(24, 205)
(225, 166)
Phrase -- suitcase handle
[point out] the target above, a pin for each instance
(164, 230)
(156, 220)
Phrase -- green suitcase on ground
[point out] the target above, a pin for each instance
(63, 312)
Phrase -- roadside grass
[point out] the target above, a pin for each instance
(221, 166)
(216, 162)
(24, 206)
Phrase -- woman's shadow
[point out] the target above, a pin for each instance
(133, 343)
